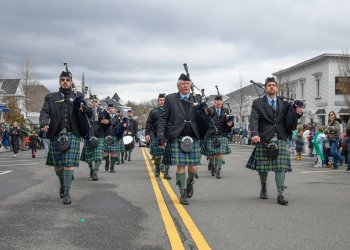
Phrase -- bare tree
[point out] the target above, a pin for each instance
(27, 74)
(2, 68)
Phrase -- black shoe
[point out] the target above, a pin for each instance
(263, 193)
(122, 161)
(107, 166)
(213, 171)
(129, 159)
(61, 191)
(281, 200)
(94, 177)
(218, 173)
(126, 157)
(66, 199)
(167, 177)
(112, 170)
(189, 190)
(118, 162)
(183, 200)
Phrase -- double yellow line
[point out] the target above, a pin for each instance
(174, 237)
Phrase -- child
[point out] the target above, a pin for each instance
(318, 140)
(299, 145)
(33, 142)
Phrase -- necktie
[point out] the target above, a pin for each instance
(184, 97)
(273, 105)
(218, 112)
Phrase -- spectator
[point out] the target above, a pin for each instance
(299, 144)
(318, 141)
(33, 145)
(333, 130)
(14, 135)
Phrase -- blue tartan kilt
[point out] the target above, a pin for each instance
(173, 155)
(93, 154)
(260, 162)
(116, 146)
(209, 149)
(155, 151)
(69, 158)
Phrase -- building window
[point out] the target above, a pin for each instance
(318, 87)
(302, 90)
(342, 85)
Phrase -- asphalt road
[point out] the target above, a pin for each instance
(133, 210)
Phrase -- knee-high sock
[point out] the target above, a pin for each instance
(191, 176)
(263, 177)
(60, 176)
(157, 163)
(181, 181)
(106, 159)
(113, 161)
(218, 163)
(279, 178)
(166, 169)
(91, 165)
(68, 177)
(97, 166)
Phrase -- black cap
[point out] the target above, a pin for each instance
(66, 74)
(129, 111)
(161, 95)
(270, 79)
(110, 105)
(218, 97)
(93, 97)
(118, 111)
(184, 77)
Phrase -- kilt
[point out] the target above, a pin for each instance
(70, 158)
(116, 146)
(154, 148)
(173, 155)
(259, 161)
(93, 154)
(209, 149)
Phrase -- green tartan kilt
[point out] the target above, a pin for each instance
(116, 146)
(70, 158)
(209, 149)
(259, 161)
(93, 154)
(173, 155)
(155, 151)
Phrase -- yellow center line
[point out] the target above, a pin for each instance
(186, 218)
(174, 237)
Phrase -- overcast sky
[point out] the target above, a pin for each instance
(137, 47)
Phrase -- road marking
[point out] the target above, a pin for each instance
(174, 237)
(322, 171)
(196, 235)
(5, 172)
(14, 160)
(24, 164)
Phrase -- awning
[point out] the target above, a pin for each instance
(320, 112)
(343, 111)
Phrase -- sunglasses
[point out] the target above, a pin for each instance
(65, 79)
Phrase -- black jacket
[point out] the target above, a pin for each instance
(132, 127)
(152, 122)
(220, 123)
(98, 129)
(265, 122)
(50, 114)
(173, 118)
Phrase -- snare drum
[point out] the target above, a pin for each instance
(129, 142)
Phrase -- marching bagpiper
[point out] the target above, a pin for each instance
(215, 144)
(59, 117)
(94, 145)
(151, 136)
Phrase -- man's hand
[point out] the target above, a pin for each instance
(147, 138)
(256, 139)
(45, 128)
(104, 121)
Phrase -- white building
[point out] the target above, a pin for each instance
(317, 82)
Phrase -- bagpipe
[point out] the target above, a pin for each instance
(292, 102)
